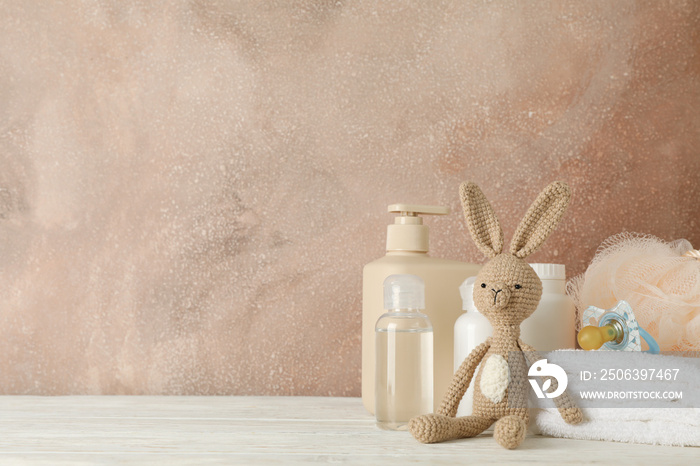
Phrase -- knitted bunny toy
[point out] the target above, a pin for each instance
(507, 290)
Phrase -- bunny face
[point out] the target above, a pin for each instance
(507, 290)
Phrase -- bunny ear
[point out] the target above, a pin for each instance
(541, 219)
(481, 220)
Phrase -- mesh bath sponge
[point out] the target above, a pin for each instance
(660, 280)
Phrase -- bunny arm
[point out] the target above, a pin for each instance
(462, 379)
(565, 405)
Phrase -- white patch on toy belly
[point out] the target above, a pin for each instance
(495, 378)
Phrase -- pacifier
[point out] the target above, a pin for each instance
(614, 329)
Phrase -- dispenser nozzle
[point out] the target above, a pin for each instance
(413, 210)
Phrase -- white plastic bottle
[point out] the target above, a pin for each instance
(471, 329)
(404, 366)
(407, 253)
(553, 324)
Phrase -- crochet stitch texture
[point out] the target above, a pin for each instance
(507, 290)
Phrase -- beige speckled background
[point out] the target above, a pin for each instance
(188, 190)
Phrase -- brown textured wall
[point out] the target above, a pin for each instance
(188, 190)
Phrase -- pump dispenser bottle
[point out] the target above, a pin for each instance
(407, 253)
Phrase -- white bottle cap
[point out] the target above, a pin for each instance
(466, 289)
(404, 291)
(550, 271)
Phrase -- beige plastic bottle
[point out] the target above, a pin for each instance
(407, 253)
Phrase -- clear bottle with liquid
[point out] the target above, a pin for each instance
(404, 362)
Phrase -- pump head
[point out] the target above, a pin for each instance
(408, 233)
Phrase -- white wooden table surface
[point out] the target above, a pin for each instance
(260, 430)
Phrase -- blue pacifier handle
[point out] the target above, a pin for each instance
(653, 345)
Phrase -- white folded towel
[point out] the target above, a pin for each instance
(678, 426)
